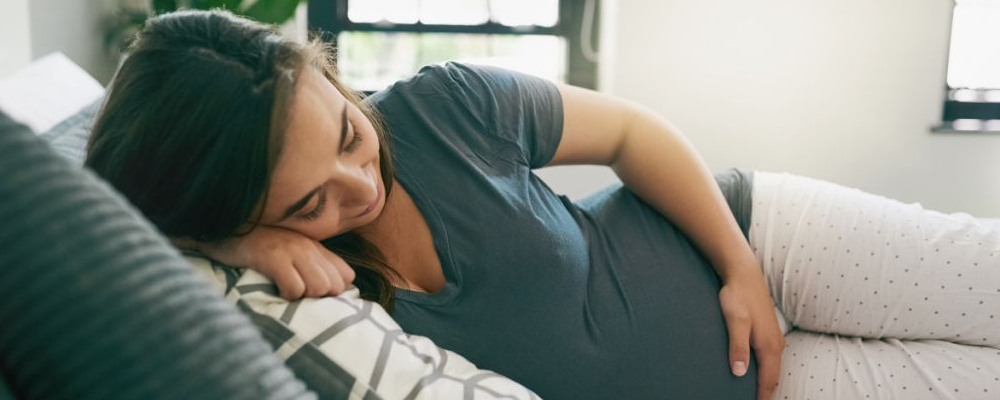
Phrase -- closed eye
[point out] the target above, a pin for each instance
(316, 211)
(355, 141)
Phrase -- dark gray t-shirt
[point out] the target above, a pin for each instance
(599, 299)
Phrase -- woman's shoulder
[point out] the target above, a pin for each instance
(452, 92)
(481, 107)
(429, 79)
(456, 80)
(426, 88)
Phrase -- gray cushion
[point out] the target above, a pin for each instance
(97, 305)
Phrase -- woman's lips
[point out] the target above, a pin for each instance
(378, 196)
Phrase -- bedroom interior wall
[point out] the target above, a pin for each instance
(75, 28)
(15, 37)
(34, 28)
(845, 91)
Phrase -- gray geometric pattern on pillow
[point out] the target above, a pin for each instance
(389, 336)
(307, 332)
(309, 363)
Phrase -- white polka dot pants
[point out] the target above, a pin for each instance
(817, 366)
(888, 300)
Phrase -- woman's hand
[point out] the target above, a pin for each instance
(749, 312)
(298, 265)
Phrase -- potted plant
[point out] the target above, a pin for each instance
(132, 14)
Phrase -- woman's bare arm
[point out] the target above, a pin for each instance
(298, 265)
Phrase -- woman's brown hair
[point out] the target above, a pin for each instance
(193, 125)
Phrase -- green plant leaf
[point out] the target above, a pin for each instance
(164, 6)
(231, 5)
(272, 11)
(122, 25)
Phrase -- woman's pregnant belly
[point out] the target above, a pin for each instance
(662, 326)
(641, 320)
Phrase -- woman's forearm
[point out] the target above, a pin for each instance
(660, 166)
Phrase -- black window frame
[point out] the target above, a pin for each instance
(955, 109)
(330, 18)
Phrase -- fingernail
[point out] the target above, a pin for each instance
(739, 368)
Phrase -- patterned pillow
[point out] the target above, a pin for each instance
(359, 336)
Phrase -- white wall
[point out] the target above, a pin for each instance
(31, 29)
(15, 36)
(75, 28)
(841, 90)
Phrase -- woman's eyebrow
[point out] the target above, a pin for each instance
(294, 208)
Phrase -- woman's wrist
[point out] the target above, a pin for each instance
(738, 266)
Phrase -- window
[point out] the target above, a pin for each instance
(973, 82)
(381, 41)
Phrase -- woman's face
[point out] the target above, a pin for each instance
(327, 180)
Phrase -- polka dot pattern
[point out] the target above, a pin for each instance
(886, 300)
(818, 366)
(838, 260)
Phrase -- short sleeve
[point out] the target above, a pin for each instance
(514, 107)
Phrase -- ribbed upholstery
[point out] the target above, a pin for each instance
(94, 304)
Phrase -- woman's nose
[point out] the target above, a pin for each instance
(358, 186)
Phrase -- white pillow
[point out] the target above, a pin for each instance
(47, 91)
(361, 338)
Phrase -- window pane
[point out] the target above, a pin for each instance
(365, 10)
(974, 60)
(395, 11)
(454, 12)
(525, 12)
(374, 60)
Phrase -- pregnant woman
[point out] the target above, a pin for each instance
(245, 146)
